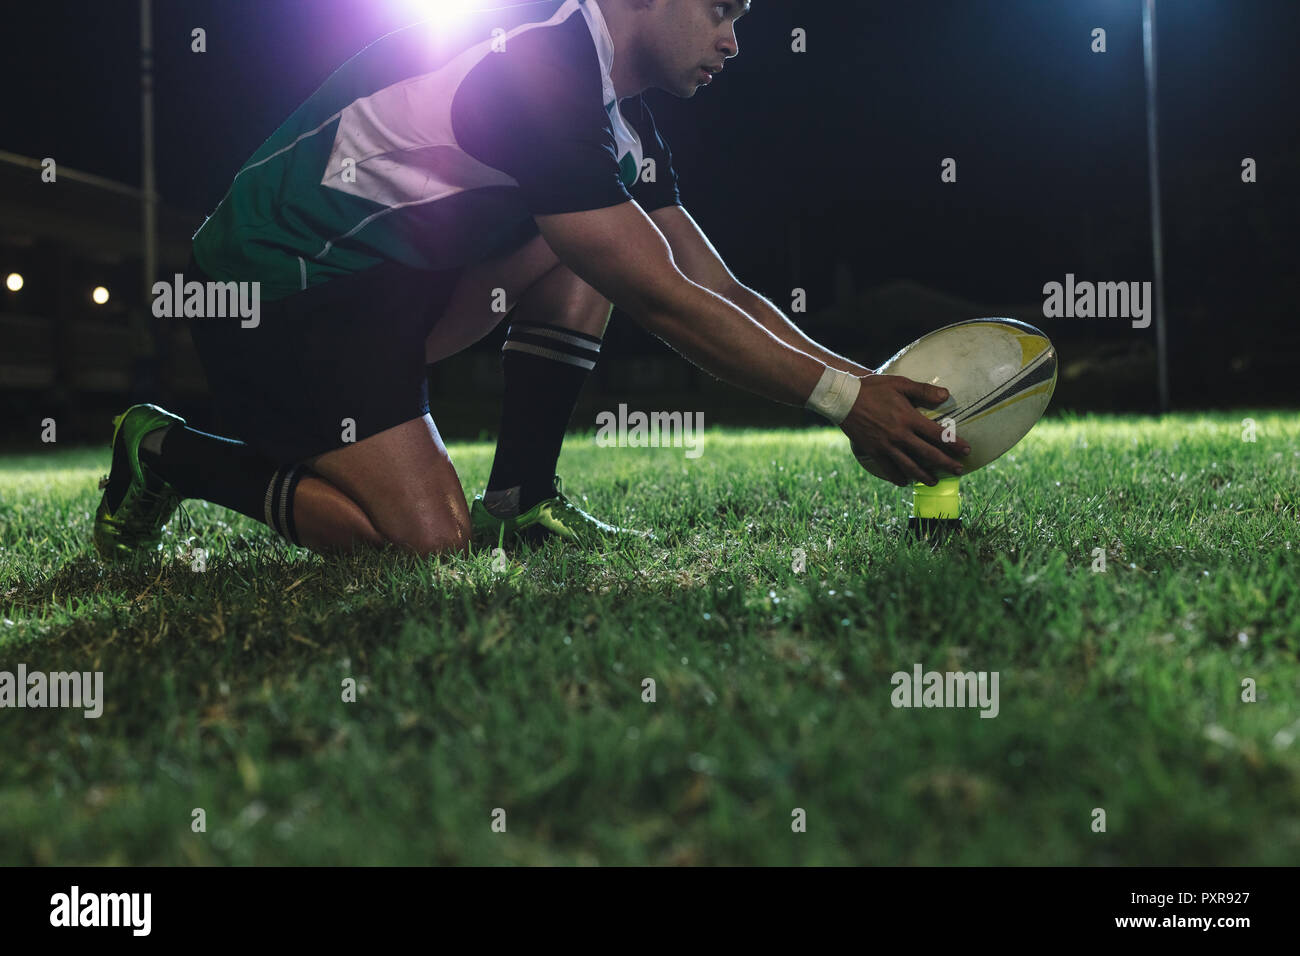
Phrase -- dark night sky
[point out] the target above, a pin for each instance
(1049, 137)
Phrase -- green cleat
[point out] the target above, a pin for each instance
(556, 516)
(137, 503)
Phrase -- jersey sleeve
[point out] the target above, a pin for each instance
(663, 191)
(537, 116)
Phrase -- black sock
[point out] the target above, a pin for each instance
(545, 368)
(229, 473)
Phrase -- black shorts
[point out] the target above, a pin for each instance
(350, 349)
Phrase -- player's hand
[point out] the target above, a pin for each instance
(894, 441)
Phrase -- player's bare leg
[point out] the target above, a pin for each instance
(561, 298)
(158, 461)
(553, 343)
(473, 310)
(556, 324)
(404, 482)
(557, 321)
(329, 521)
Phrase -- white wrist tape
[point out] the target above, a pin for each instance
(835, 394)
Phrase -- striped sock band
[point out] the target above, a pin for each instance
(278, 507)
(553, 342)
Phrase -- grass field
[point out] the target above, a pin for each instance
(521, 689)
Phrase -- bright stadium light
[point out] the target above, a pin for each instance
(100, 295)
(13, 282)
(445, 9)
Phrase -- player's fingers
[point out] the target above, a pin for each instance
(933, 431)
(878, 466)
(920, 393)
(893, 475)
(910, 469)
(932, 456)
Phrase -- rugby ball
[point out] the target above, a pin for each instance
(1000, 375)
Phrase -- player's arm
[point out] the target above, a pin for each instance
(618, 251)
(699, 261)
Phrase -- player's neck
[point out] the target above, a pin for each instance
(627, 83)
(628, 78)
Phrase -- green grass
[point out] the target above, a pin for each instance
(522, 690)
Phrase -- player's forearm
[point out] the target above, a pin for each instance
(775, 321)
(716, 335)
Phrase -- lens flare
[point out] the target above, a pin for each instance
(444, 9)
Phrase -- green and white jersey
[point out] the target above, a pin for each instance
(435, 147)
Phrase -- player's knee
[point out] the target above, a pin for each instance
(429, 537)
(562, 298)
(584, 300)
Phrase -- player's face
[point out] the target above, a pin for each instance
(695, 36)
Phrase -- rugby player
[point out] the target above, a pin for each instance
(448, 166)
